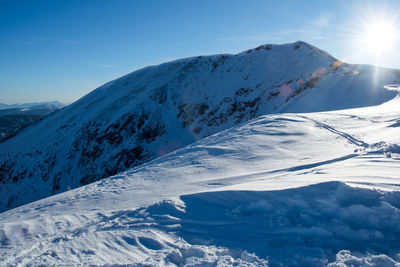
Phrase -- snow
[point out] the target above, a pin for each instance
(158, 109)
(345, 258)
(285, 189)
(302, 188)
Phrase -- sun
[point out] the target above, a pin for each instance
(380, 36)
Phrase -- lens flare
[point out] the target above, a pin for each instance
(380, 36)
(285, 90)
(371, 35)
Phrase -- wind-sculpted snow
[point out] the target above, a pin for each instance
(304, 226)
(307, 226)
(310, 189)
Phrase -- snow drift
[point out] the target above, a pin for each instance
(308, 226)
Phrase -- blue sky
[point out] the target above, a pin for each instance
(61, 50)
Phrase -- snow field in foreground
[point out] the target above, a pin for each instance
(312, 225)
(289, 189)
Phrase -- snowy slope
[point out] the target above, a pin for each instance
(304, 189)
(155, 110)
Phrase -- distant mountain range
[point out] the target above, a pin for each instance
(52, 104)
(15, 117)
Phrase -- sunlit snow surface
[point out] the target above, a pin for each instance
(158, 109)
(305, 189)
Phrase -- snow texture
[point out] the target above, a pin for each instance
(285, 189)
(158, 109)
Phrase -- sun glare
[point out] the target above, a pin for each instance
(373, 35)
(380, 36)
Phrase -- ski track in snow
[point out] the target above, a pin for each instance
(347, 136)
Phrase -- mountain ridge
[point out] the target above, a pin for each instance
(157, 109)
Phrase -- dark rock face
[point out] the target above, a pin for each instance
(94, 140)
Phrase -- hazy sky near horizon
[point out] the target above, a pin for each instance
(62, 50)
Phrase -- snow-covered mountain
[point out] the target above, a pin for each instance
(158, 109)
(294, 189)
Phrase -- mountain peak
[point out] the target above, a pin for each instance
(156, 110)
(293, 46)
